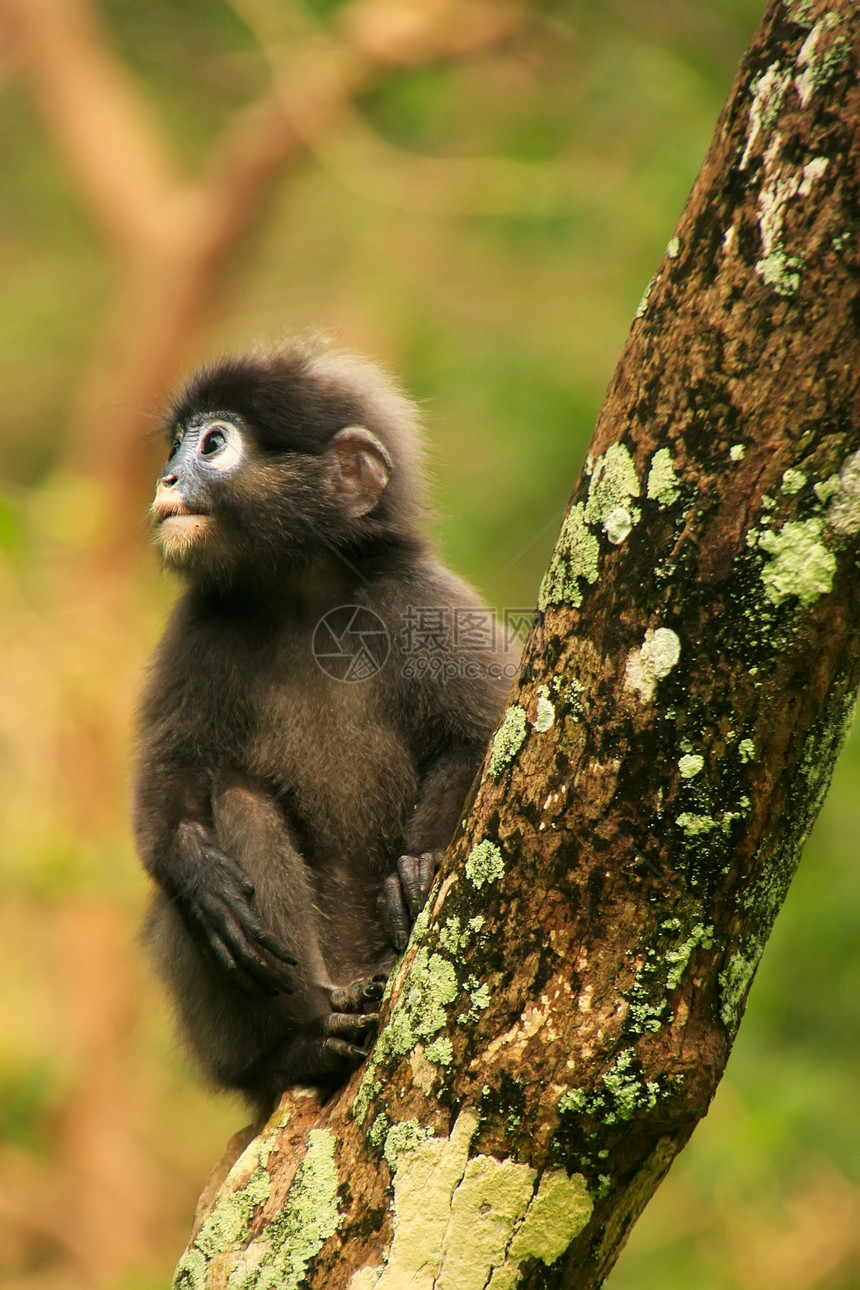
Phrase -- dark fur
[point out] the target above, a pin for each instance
(313, 787)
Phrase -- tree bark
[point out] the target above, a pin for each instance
(567, 1004)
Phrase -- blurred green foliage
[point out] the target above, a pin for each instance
(506, 324)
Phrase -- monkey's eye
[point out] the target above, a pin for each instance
(213, 442)
(222, 445)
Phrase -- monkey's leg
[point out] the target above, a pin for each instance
(323, 1052)
(325, 1028)
(440, 800)
(252, 830)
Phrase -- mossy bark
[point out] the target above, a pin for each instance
(564, 1013)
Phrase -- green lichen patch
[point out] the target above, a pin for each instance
(484, 864)
(763, 898)
(734, 983)
(844, 513)
(575, 1099)
(545, 714)
(822, 57)
(279, 1257)
(645, 1015)
(420, 1010)
(678, 959)
(737, 451)
(696, 825)
(451, 938)
(664, 484)
(575, 560)
(627, 1090)
(690, 765)
(419, 931)
(654, 660)
(645, 297)
(614, 483)
(403, 1137)
(440, 1052)
(508, 740)
(673, 250)
(229, 1223)
(492, 1198)
(369, 1090)
(479, 1001)
(378, 1130)
(800, 12)
(560, 1209)
(825, 488)
(746, 750)
(467, 1224)
(419, 1014)
(780, 271)
(454, 939)
(800, 564)
(792, 481)
(768, 91)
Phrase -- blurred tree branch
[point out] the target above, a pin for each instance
(173, 234)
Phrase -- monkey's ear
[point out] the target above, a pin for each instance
(359, 469)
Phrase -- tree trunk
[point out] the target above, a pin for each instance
(567, 1005)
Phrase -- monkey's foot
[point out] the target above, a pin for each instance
(359, 997)
(344, 1039)
(404, 894)
(324, 1052)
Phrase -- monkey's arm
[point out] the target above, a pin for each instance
(211, 892)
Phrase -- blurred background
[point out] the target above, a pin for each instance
(474, 192)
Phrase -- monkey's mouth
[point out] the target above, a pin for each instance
(174, 522)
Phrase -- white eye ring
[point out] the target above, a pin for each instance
(221, 445)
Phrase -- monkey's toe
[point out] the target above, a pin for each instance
(350, 1025)
(342, 1050)
(356, 997)
(417, 874)
(404, 893)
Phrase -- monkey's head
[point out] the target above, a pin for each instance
(277, 459)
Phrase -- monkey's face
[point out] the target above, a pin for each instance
(206, 453)
(226, 506)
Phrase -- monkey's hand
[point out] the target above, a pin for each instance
(218, 912)
(405, 892)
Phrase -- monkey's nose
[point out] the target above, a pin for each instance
(168, 481)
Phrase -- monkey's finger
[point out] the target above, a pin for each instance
(234, 972)
(267, 973)
(395, 912)
(227, 864)
(249, 934)
(274, 946)
(409, 872)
